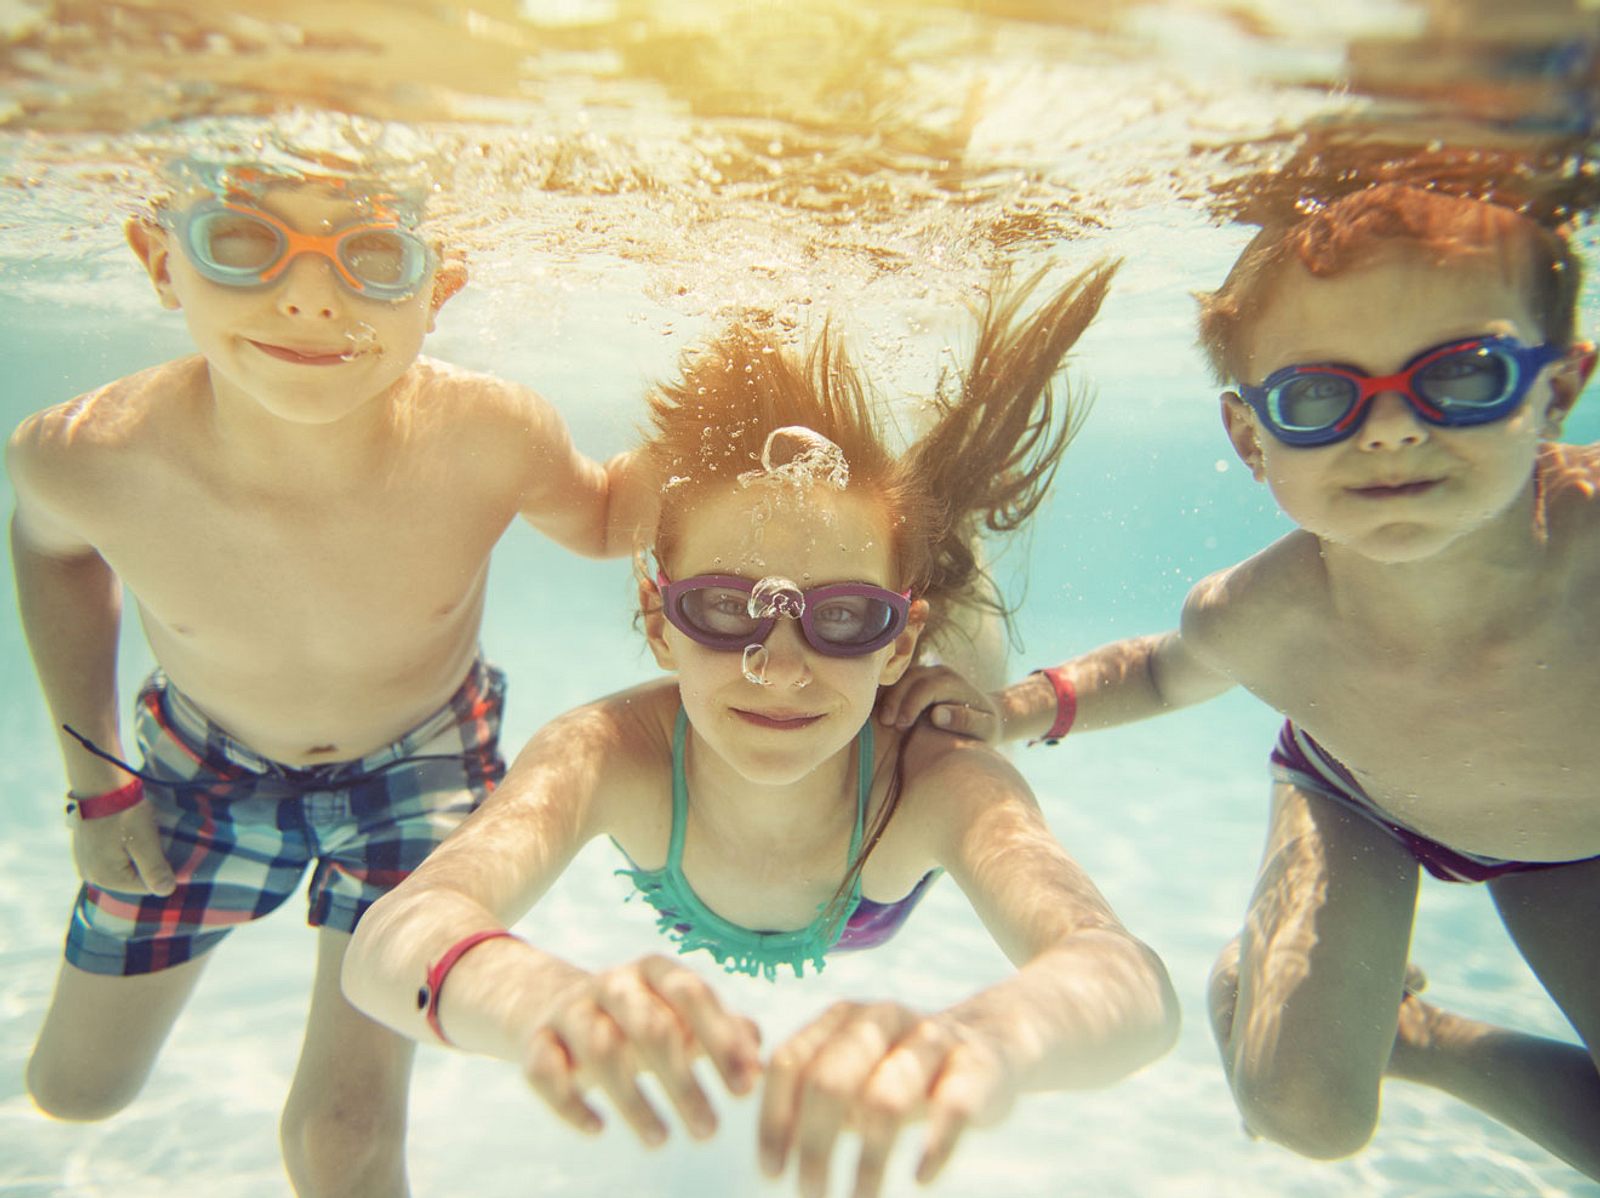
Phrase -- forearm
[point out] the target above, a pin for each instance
(491, 1000)
(1084, 1013)
(71, 609)
(1119, 683)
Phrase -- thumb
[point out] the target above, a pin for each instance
(144, 849)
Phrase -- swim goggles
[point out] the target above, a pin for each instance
(241, 246)
(1475, 381)
(724, 611)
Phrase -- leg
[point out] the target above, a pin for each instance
(344, 1125)
(101, 1036)
(1545, 1089)
(1305, 1003)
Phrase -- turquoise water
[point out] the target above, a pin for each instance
(1166, 816)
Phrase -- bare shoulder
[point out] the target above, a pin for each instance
(485, 406)
(77, 454)
(1228, 616)
(953, 787)
(598, 759)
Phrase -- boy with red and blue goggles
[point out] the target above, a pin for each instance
(1477, 380)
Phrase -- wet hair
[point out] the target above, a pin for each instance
(1357, 228)
(985, 464)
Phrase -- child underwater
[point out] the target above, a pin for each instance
(799, 564)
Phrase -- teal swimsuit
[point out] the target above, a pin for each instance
(681, 915)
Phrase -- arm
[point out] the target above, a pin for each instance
(1118, 683)
(566, 1028)
(592, 508)
(1087, 1005)
(71, 607)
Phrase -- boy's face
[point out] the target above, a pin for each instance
(1399, 489)
(303, 346)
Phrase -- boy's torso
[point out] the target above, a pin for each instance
(1485, 743)
(315, 613)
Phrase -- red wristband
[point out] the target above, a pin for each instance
(1066, 705)
(110, 803)
(428, 996)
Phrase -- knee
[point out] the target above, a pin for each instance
(79, 1095)
(1312, 1114)
(346, 1143)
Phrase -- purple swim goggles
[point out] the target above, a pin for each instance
(730, 613)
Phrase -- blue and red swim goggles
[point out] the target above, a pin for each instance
(239, 245)
(1477, 380)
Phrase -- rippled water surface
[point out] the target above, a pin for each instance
(620, 175)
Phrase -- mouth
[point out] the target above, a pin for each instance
(786, 721)
(306, 356)
(1397, 490)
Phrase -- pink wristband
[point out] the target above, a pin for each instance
(110, 803)
(1066, 705)
(428, 996)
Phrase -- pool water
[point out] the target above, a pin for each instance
(1166, 816)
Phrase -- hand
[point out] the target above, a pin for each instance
(122, 852)
(654, 1016)
(870, 1069)
(953, 704)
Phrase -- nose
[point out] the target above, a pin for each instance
(309, 289)
(788, 655)
(1391, 424)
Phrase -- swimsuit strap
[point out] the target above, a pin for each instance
(680, 793)
(682, 915)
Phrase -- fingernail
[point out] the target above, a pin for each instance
(941, 718)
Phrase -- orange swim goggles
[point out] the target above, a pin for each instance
(238, 245)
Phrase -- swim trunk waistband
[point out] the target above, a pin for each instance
(175, 710)
(1298, 760)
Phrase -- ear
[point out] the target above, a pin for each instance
(905, 645)
(448, 279)
(1244, 431)
(1566, 384)
(655, 624)
(149, 241)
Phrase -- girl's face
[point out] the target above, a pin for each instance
(810, 706)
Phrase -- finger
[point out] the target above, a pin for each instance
(967, 1087)
(661, 1042)
(780, 1096)
(142, 843)
(603, 1053)
(731, 1041)
(550, 1071)
(896, 1092)
(971, 722)
(833, 1086)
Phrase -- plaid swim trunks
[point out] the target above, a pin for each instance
(240, 830)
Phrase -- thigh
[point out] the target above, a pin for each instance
(1552, 916)
(1322, 955)
(101, 1036)
(348, 1062)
